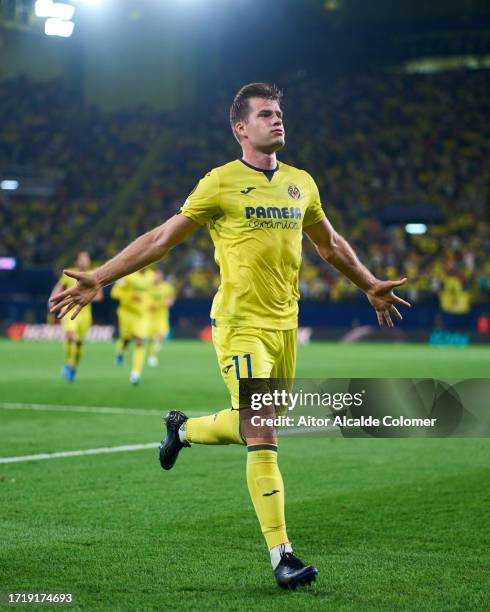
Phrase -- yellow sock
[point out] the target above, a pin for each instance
(266, 489)
(67, 350)
(69, 347)
(152, 349)
(138, 359)
(77, 353)
(120, 346)
(220, 428)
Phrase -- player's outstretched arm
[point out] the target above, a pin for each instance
(337, 251)
(142, 252)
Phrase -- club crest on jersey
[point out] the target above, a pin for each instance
(294, 192)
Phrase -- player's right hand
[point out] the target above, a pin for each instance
(82, 293)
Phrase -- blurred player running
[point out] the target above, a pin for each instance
(256, 210)
(75, 331)
(161, 297)
(132, 292)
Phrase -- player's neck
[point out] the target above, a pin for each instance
(264, 161)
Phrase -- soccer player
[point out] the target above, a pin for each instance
(162, 296)
(75, 331)
(256, 210)
(132, 292)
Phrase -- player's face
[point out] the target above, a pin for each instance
(264, 128)
(83, 261)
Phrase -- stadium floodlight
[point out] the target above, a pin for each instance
(59, 10)
(58, 27)
(9, 185)
(42, 8)
(7, 263)
(415, 228)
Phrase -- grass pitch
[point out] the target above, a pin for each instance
(390, 524)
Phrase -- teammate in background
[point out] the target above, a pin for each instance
(256, 210)
(454, 297)
(161, 298)
(75, 331)
(132, 292)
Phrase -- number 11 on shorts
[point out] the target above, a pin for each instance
(248, 361)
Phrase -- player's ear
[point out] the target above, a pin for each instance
(240, 129)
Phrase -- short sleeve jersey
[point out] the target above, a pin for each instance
(133, 293)
(160, 294)
(67, 282)
(255, 219)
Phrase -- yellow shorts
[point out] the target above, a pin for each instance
(158, 326)
(79, 327)
(248, 352)
(132, 326)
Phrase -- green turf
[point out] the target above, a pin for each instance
(391, 524)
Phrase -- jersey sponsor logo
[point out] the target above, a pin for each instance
(270, 224)
(273, 212)
(247, 190)
(294, 192)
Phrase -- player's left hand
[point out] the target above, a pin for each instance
(383, 300)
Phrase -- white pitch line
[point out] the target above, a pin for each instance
(88, 409)
(78, 453)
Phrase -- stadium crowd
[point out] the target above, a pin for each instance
(378, 147)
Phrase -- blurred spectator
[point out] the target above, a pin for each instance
(371, 142)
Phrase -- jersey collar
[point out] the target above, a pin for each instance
(268, 173)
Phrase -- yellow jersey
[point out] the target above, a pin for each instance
(67, 282)
(255, 219)
(159, 296)
(453, 298)
(132, 291)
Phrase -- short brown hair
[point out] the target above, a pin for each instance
(240, 108)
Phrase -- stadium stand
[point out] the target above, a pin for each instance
(385, 150)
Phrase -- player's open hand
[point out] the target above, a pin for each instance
(383, 300)
(82, 293)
